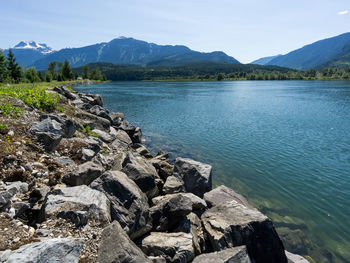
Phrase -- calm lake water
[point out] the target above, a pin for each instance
(285, 145)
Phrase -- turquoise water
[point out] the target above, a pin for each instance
(285, 145)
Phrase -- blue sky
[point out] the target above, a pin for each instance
(246, 30)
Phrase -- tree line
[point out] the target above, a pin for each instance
(11, 72)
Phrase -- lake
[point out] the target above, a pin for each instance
(285, 145)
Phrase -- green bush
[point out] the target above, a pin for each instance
(9, 110)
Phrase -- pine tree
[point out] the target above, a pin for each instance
(52, 68)
(67, 72)
(85, 72)
(31, 75)
(3, 68)
(13, 67)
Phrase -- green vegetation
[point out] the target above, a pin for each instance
(3, 126)
(87, 129)
(213, 72)
(9, 110)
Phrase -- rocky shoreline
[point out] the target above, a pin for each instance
(79, 186)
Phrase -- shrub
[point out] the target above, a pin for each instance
(9, 110)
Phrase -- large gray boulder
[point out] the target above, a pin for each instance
(84, 174)
(170, 210)
(65, 92)
(68, 125)
(101, 112)
(173, 185)
(78, 198)
(117, 247)
(8, 191)
(174, 247)
(197, 176)
(129, 205)
(293, 258)
(57, 250)
(233, 224)
(222, 194)
(49, 132)
(104, 136)
(93, 121)
(229, 255)
(93, 99)
(142, 173)
(163, 167)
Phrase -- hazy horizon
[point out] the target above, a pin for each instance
(245, 31)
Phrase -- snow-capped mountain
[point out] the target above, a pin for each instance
(42, 48)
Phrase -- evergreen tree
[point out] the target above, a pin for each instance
(41, 76)
(13, 67)
(52, 68)
(67, 72)
(3, 68)
(85, 72)
(31, 75)
(48, 77)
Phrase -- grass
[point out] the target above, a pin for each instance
(87, 129)
(9, 110)
(3, 126)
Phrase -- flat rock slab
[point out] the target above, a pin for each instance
(116, 246)
(57, 250)
(83, 174)
(222, 194)
(232, 224)
(174, 247)
(229, 255)
(129, 205)
(293, 258)
(78, 198)
(196, 176)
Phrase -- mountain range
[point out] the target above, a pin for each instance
(330, 52)
(122, 50)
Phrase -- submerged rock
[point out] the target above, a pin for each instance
(57, 250)
(229, 255)
(116, 246)
(129, 205)
(196, 176)
(174, 247)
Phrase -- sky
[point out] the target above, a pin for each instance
(246, 30)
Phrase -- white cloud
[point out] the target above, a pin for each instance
(343, 12)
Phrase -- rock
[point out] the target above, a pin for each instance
(129, 205)
(39, 193)
(142, 150)
(67, 124)
(78, 218)
(196, 176)
(83, 174)
(65, 92)
(65, 161)
(16, 187)
(174, 247)
(101, 112)
(229, 255)
(116, 246)
(93, 99)
(170, 210)
(87, 154)
(77, 198)
(137, 135)
(157, 259)
(117, 118)
(164, 168)
(141, 172)
(93, 121)
(192, 224)
(223, 194)
(59, 250)
(49, 132)
(233, 224)
(293, 258)
(104, 136)
(123, 136)
(5, 200)
(173, 185)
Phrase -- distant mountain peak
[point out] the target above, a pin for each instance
(41, 47)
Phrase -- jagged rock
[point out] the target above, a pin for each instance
(170, 210)
(141, 172)
(117, 118)
(123, 136)
(197, 176)
(229, 255)
(65, 92)
(192, 224)
(77, 198)
(116, 246)
(16, 187)
(87, 154)
(101, 112)
(164, 168)
(157, 259)
(39, 193)
(5, 200)
(104, 136)
(49, 132)
(68, 125)
(174, 247)
(233, 224)
(83, 174)
(92, 148)
(293, 258)
(93, 99)
(65, 161)
(173, 185)
(142, 150)
(129, 205)
(137, 135)
(222, 194)
(57, 250)
(102, 160)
